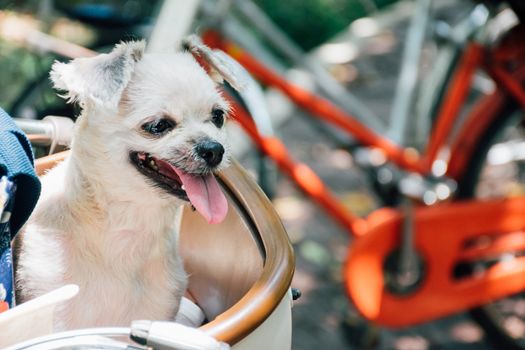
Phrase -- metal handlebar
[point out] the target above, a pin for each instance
(50, 131)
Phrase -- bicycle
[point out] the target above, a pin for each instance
(390, 269)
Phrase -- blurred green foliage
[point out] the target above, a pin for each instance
(18, 66)
(311, 22)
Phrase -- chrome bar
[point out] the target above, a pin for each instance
(52, 130)
(35, 127)
(407, 81)
(434, 88)
(325, 82)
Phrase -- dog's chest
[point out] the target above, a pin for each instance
(133, 278)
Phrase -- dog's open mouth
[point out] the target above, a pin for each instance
(202, 190)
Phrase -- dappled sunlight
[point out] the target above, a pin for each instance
(314, 253)
(19, 28)
(411, 343)
(16, 27)
(515, 326)
(340, 159)
(359, 203)
(365, 27)
(292, 208)
(338, 53)
(296, 212)
(466, 332)
(73, 31)
(344, 73)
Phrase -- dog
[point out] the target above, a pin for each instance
(148, 141)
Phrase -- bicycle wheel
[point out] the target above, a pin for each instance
(496, 170)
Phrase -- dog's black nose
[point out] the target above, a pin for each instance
(211, 152)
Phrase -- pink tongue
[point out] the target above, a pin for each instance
(205, 195)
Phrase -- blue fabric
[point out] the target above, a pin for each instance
(7, 193)
(16, 164)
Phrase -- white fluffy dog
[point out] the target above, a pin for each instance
(148, 141)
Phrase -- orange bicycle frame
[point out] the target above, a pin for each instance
(443, 232)
(328, 112)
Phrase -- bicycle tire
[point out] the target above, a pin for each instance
(488, 316)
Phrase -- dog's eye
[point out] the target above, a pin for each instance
(159, 126)
(217, 117)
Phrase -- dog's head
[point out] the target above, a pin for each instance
(160, 115)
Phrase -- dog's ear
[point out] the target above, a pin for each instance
(220, 65)
(100, 79)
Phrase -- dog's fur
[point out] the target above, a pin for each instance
(102, 224)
